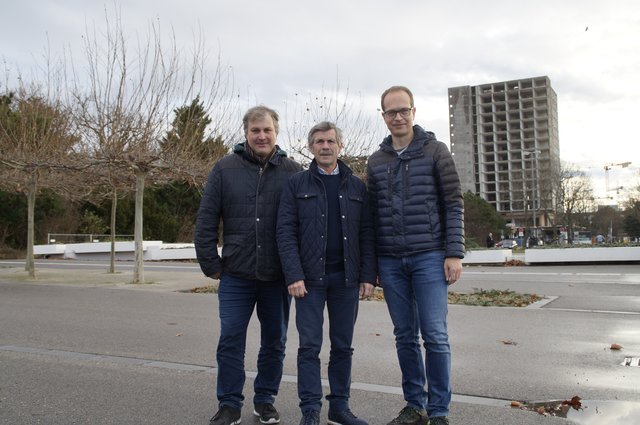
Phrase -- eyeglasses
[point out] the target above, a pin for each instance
(391, 113)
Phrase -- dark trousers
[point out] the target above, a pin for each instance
(342, 307)
(237, 299)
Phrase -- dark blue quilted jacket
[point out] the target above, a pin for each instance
(302, 228)
(245, 195)
(416, 198)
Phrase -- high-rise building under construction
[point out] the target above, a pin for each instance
(504, 138)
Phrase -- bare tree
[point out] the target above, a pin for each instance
(36, 139)
(125, 108)
(574, 195)
(362, 131)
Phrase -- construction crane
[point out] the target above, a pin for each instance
(607, 167)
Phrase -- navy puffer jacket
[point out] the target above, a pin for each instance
(245, 195)
(302, 228)
(416, 198)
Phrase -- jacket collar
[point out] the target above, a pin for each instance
(244, 151)
(345, 171)
(415, 149)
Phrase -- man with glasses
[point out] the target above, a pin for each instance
(243, 193)
(418, 213)
(326, 242)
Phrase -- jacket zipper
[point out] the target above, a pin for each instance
(255, 218)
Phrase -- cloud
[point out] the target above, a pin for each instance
(283, 47)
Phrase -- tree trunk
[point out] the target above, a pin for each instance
(570, 229)
(112, 255)
(31, 206)
(138, 268)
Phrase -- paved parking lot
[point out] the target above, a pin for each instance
(81, 346)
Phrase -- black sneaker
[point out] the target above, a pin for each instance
(411, 416)
(439, 420)
(227, 415)
(310, 417)
(266, 412)
(345, 417)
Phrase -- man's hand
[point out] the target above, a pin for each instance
(366, 289)
(216, 275)
(452, 269)
(297, 289)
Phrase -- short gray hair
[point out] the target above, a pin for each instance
(324, 126)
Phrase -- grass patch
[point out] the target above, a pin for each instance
(209, 289)
(493, 298)
(479, 297)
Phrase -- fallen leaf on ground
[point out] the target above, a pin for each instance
(180, 334)
(574, 402)
(515, 403)
(508, 342)
(616, 346)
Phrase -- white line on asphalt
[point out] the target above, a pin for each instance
(133, 361)
(580, 310)
(127, 265)
(465, 272)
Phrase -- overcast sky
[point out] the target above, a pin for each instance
(589, 49)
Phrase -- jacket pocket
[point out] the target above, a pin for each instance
(307, 204)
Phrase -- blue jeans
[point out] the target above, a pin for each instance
(415, 291)
(342, 306)
(237, 298)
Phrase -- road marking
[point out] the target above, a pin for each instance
(466, 272)
(99, 265)
(580, 310)
(134, 361)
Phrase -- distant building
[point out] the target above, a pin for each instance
(504, 138)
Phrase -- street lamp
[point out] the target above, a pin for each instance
(531, 153)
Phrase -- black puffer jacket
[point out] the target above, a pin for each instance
(302, 228)
(416, 198)
(245, 195)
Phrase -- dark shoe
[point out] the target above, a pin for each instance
(310, 417)
(266, 412)
(346, 417)
(411, 416)
(227, 415)
(439, 420)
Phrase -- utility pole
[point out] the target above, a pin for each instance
(531, 153)
(608, 167)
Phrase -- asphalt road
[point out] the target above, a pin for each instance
(79, 346)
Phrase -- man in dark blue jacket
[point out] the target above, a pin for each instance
(243, 191)
(418, 214)
(326, 244)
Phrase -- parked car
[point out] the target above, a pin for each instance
(507, 243)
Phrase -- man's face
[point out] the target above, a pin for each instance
(325, 149)
(398, 113)
(261, 136)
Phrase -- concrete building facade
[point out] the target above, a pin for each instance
(504, 138)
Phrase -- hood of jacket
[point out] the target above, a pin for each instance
(243, 150)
